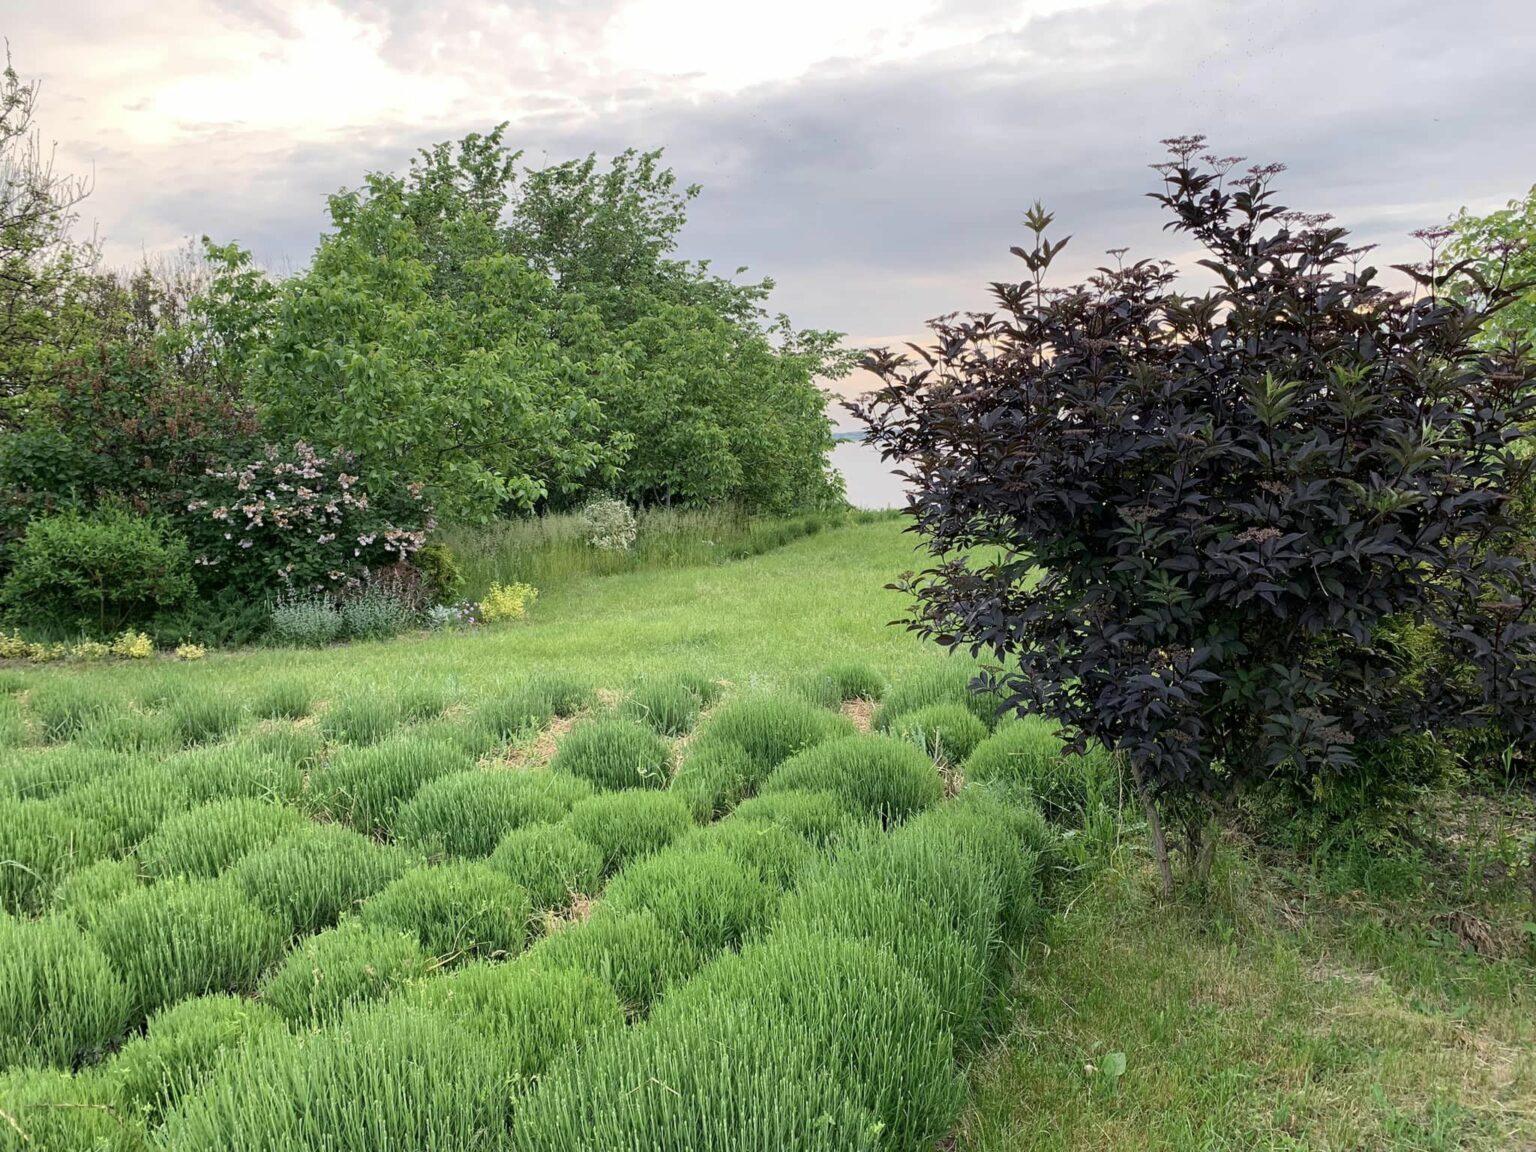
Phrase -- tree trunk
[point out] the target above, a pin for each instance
(1155, 830)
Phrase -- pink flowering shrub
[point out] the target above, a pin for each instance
(298, 520)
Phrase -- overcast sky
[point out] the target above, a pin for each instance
(873, 156)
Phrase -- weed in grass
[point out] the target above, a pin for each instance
(551, 863)
(182, 938)
(456, 910)
(334, 970)
(85, 892)
(712, 778)
(771, 730)
(283, 700)
(46, 1110)
(242, 769)
(181, 1046)
(841, 683)
(513, 714)
(205, 840)
(666, 707)
(364, 787)
(836, 995)
(626, 826)
(704, 896)
(386, 1076)
(630, 952)
(467, 813)
(532, 1016)
(942, 683)
(881, 776)
(945, 732)
(612, 752)
(64, 708)
(362, 719)
(204, 716)
(39, 773)
(312, 876)
(821, 818)
(39, 843)
(59, 999)
(129, 804)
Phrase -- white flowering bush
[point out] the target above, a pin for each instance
(298, 520)
(608, 524)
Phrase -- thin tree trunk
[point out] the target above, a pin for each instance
(1155, 830)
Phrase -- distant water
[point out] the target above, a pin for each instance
(871, 482)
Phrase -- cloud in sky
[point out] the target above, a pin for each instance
(873, 156)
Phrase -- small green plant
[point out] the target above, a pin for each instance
(249, 768)
(362, 719)
(612, 752)
(130, 731)
(515, 713)
(667, 707)
(45, 1109)
(59, 998)
(705, 689)
(771, 730)
(180, 1047)
(457, 910)
(65, 708)
(566, 696)
(364, 787)
(703, 895)
(39, 773)
(332, 971)
(423, 700)
(314, 875)
(306, 620)
(945, 732)
(504, 602)
(440, 573)
(182, 938)
(630, 952)
(551, 863)
(1027, 752)
(467, 813)
(608, 525)
(772, 852)
(39, 843)
(625, 826)
(283, 700)
(205, 840)
(877, 775)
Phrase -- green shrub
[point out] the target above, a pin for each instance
(821, 818)
(40, 842)
(99, 571)
(771, 730)
(312, 876)
(945, 732)
(39, 773)
(843, 682)
(461, 909)
(242, 769)
(376, 613)
(626, 826)
(737, 1080)
(630, 952)
(467, 813)
(350, 964)
(65, 708)
(551, 863)
(131, 732)
(283, 700)
(182, 1045)
(306, 621)
(1027, 752)
(386, 1076)
(129, 804)
(836, 995)
(46, 1110)
(205, 840)
(877, 775)
(364, 787)
(704, 896)
(204, 716)
(713, 777)
(183, 938)
(514, 714)
(611, 752)
(83, 893)
(666, 707)
(532, 1016)
(946, 683)
(362, 719)
(440, 573)
(59, 999)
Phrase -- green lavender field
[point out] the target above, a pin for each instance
(697, 858)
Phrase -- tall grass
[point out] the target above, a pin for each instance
(205, 840)
(460, 909)
(39, 843)
(548, 551)
(467, 813)
(313, 875)
(59, 998)
(334, 970)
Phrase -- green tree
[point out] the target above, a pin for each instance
(1502, 249)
